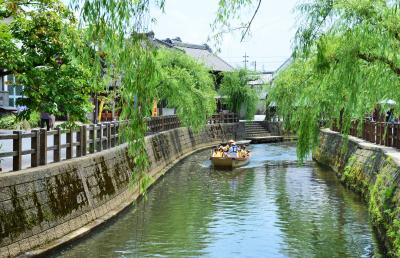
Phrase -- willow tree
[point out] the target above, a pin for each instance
(187, 86)
(237, 94)
(345, 62)
(116, 29)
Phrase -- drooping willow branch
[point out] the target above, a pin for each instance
(251, 21)
(374, 58)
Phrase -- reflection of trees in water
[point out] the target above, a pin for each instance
(182, 213)
(317, 216)
(233, 189)
(175, 218)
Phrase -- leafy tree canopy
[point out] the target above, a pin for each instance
(187, 86)
(118, 28)
(345, 62)
(35, 46)
(110, 42)
(237, 93)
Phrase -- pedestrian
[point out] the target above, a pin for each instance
(390, 116)
(45, 119)
(377, 113)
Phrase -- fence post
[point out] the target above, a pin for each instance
(79, 137)
(364, 131)
(92, 137)
(84, 140)
(17, 147)
(100, 137)
(57, 143)
(116, 133)
(70, 146)
(35, 147)
(371, 132)
(112, 129)
(43, 147)
(108, 135)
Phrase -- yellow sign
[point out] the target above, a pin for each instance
(154, 111)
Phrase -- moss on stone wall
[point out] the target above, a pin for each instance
(372, 174)
(63, 191)
(354, 177)
(383, 205)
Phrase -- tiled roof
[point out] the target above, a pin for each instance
(202, 53)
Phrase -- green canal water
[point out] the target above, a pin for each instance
(273, 207)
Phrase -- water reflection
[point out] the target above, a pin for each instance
(273, 207)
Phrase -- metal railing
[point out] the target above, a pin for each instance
(24, 149)
(381, 133)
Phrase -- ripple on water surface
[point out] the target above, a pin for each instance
(273, 207)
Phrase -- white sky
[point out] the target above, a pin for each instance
(269, 43)
(271, 36)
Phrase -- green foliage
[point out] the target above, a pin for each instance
(236, 92)
(12, 122)
(8, 122)
(382, 205)
(116, 29)
(187, 86)
(34, 119)
(354, 176)
(344, 64)
(36, 49)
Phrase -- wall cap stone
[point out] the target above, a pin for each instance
(391, 152)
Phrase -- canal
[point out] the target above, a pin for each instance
(273, 207)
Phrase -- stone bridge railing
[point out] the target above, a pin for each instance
(24, 149)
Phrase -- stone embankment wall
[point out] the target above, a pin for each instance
(374, 172)
(275, 128)
(41, 208)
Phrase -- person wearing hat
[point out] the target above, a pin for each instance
(232, 149)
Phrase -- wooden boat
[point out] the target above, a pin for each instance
(229, 162)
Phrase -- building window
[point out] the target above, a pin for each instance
(14, 91)
(10, 89)
(11, 102)
(18, 90)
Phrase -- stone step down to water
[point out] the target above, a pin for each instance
(257, 132)
(265, 139)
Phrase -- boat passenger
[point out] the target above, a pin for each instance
(242, 154)
(217, 153)
(233, 150)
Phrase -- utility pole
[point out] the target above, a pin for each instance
(245, 61)
(255, 66)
